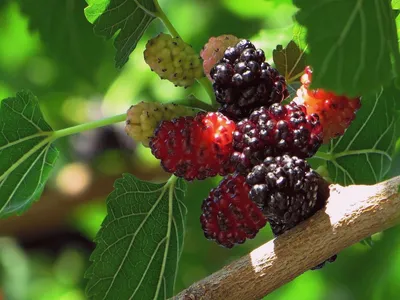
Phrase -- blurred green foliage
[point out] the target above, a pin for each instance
(50, 49)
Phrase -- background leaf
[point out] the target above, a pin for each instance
(26, 153)
(363, 155)
(290, 61)
(396, 4)
(14, 267)
(67, 38)
(143, 231)
(130, 18)
(357, 37)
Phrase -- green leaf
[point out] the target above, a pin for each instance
(140, 242)
(350, 44)
(95, 8)
(398, 27)
(396, 4)
(26, 153)
(363, 155)
(129, 18)
(67, 38)
(289, 61)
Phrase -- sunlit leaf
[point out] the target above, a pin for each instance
(363, 155)
(260, 9)
(396, 4)
(351, 44)
(26, 153)
(299, 36)
(140, 242)
(129, 18)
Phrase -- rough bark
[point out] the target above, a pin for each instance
(351, 214)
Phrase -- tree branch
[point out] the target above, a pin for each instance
(351, 214)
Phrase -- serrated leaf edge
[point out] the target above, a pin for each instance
(39, 186)
(170, 184)
(47, 141)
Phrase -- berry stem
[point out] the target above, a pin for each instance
(323, 155)
(294, 77)
(206, 84)
(88, 126)
(163, 17)
(172, 181)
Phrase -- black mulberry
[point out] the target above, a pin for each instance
(278, 130)
(288, 192)
(243, 81)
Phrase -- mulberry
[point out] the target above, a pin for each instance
(278, 130)
(195, 147)
(144, 117)
(243, 81)
(174, 60)
(229, 217)
(213, 51)
(286, 190)
(335, 112)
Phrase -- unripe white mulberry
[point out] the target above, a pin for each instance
(173, 59)
(144, 117)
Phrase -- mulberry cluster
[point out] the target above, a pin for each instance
(259, 144)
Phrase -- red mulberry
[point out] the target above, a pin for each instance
(335, 112)
(195, 147)
(229, 217)
(213, 51)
